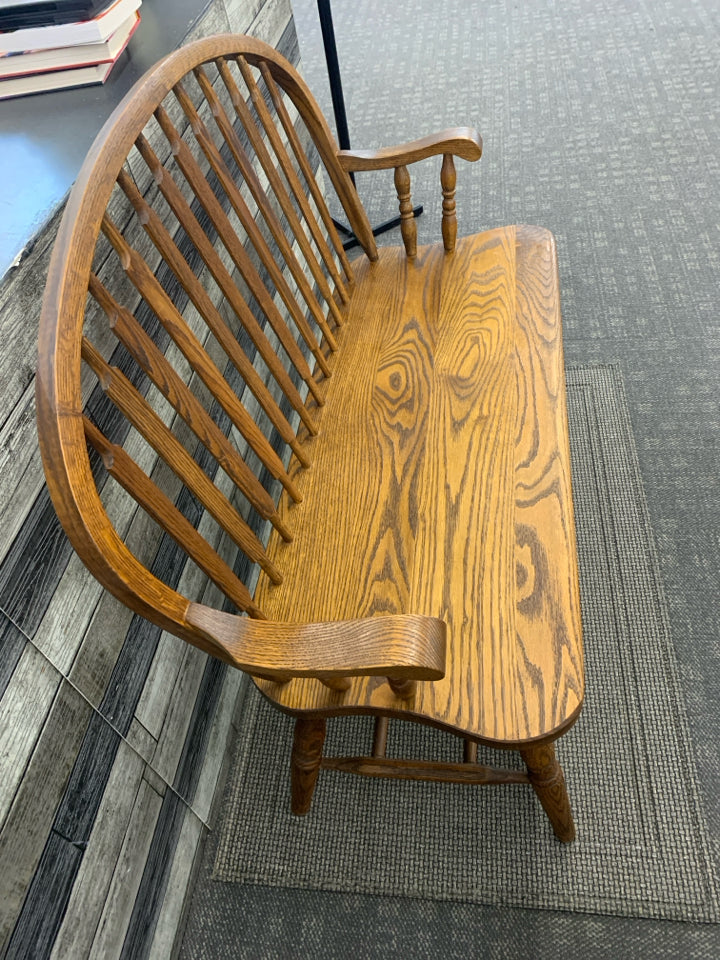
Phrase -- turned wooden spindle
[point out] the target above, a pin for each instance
(548, 782)
(380, 737)
(449, 220)
(470, 751)
(341, 684)
(305, 761)
(408, 226)
(404, 689)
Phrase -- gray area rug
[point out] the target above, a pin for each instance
(642, 848)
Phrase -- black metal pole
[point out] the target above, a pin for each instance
(338, 103)
(333, 68)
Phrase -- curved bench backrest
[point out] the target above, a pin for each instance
(194, 290)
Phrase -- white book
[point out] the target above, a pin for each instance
(69, 34)
(54, 80)
(79, 55)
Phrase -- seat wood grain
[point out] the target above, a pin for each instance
(441, 468)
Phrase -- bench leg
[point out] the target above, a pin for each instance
(305, 761)
(548, 782)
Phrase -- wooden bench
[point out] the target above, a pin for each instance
(377, 452)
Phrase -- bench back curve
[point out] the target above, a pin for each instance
(194, 291)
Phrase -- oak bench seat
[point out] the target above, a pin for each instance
(440, 486)
(421, 560)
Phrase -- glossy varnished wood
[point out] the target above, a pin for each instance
(459, 141)
(59, 381)
(181, 208)
(120, 466)
(422, 563)
(548, 782)
(401, 648)
(299, 192)
(408, 227)
(305, 762)
(304, 165)
(424, 770)
(443, 465)
(153, 362)
(449, 220)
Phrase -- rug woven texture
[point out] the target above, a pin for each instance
(642, 847)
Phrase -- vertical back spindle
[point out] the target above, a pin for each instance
(147, 285)
(304, 165)
(203, 303)
(286, 166)
(146, 421)
(154, 363)
(212, 152)
(197, 181)
(254, 135)
(141, 488)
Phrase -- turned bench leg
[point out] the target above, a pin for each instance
(548, 782)
(305, 761)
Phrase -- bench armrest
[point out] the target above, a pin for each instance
(403, 647)
(461, 142)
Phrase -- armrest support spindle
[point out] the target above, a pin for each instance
(461, 142)
(404, 689)
(408, 226)
(449, 220)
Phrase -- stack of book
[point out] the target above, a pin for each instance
(54, 44)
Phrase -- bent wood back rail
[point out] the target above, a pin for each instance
(368, 461)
